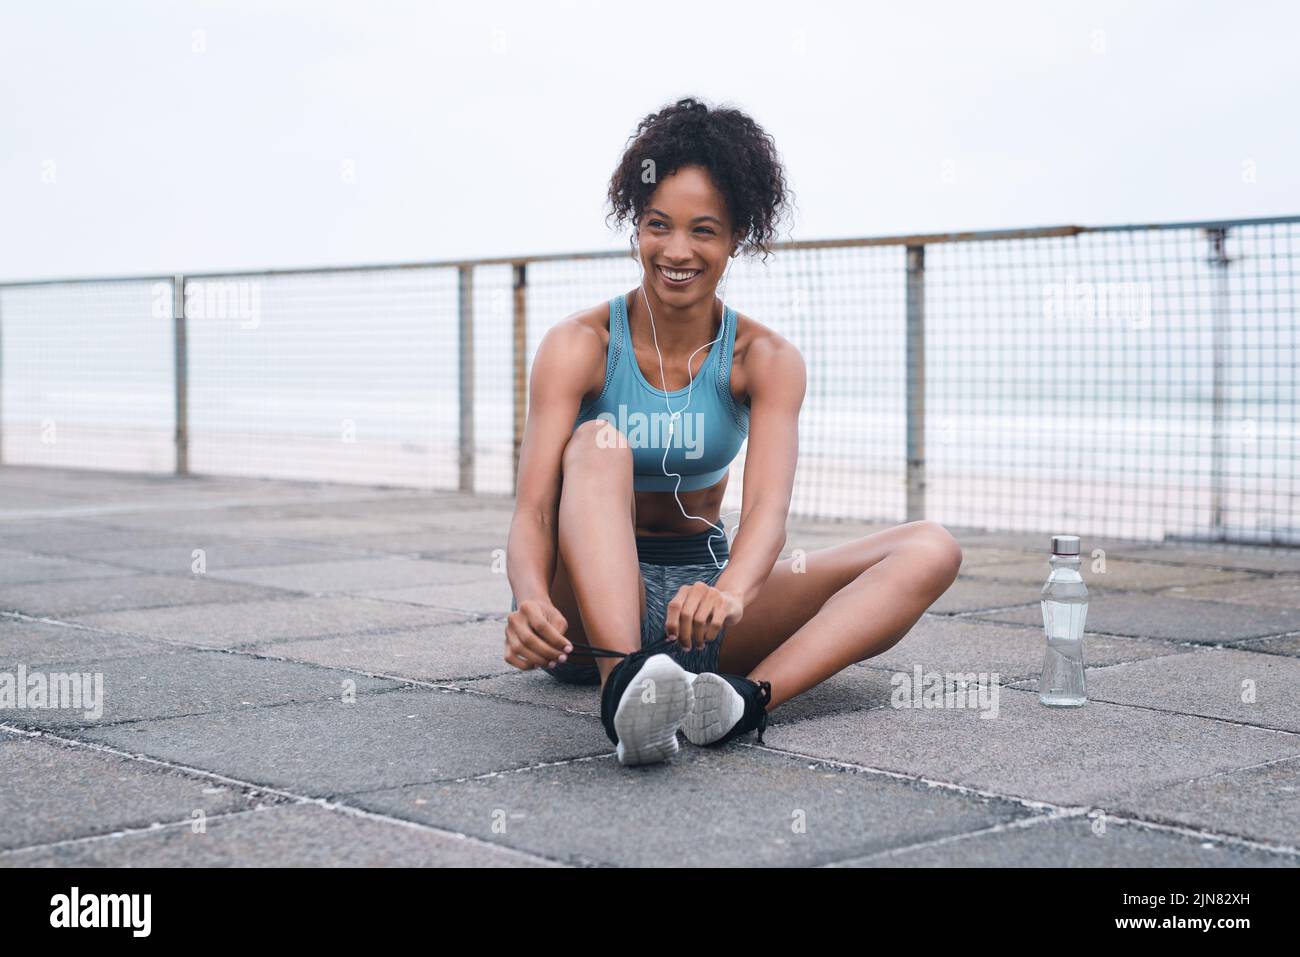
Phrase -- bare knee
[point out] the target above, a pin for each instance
(941, 546)
(596, 445)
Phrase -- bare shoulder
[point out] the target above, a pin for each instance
(594, 320)
(752, 334)
(762, 354)
(578, 343)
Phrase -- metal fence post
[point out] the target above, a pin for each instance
(915, 383)
(466, 292)
(181, 376)
(520, 323)
(1219, 344)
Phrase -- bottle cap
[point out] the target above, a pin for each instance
(1065, 544)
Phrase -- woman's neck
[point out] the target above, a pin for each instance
(679, 332)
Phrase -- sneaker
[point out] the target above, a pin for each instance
(727, 706)
(645, 700)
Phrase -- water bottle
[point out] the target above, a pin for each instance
(1065, 606)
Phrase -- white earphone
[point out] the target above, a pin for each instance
(673, 415)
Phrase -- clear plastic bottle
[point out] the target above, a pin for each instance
(1065, 608)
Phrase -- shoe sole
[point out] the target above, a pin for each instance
(647, 730)
(717, 709)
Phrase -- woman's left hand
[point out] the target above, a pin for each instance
(698, 612)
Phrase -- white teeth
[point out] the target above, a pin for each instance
(679, 276)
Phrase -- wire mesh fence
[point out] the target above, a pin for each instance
(1130, 381)
(86, 373)
(342, 376)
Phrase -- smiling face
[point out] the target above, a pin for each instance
(685, 237)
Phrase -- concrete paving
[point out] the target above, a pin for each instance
(301, 673)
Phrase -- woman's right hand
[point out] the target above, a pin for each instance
(535, 636)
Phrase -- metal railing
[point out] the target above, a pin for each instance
(1131, 381)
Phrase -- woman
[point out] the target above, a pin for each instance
(616, 546)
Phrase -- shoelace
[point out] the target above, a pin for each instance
(595, 652)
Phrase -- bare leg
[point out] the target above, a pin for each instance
(597, 539)
(865, 618)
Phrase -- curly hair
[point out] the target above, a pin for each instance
(740, 156)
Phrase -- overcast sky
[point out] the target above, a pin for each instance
(141, 137)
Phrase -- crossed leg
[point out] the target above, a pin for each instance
(817, 615)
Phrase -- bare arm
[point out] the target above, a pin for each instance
(555, 391)
(777, 381)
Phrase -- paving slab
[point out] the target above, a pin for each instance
(418, 509)
(17, 568)
(17, 475)
(1282, 591)
(426, 543)
(327, 749)
(1040, 543)
(533, 687)
(481, 553)
(167, 521)
(298, 835)
(976, 556)
(1119, 574)
(35, 643)
(1075, 842)
(66, 599)
(1285, 645)
(55, 538)
(968, 594)
(478, 521)
(356, 575)
(440, 653)
(111, 481)
(53, 792)
(1259, 803)
(364, 504)
(258, 622)
(484, 595)
(1226, 556)
(218, 555)
(1013, 652)
(16, 530)
(154, 686)
(326, 530)
(1211, 682)
(715, 807)
(19, 500)
(1060, 755)
(1171, 619)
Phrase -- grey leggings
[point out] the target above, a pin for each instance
(667, 563)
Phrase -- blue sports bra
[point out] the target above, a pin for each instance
(709, 431)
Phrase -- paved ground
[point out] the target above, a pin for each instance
(327, 688)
